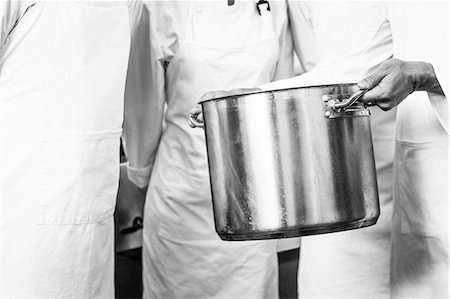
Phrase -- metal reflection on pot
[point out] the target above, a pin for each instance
(290, 162)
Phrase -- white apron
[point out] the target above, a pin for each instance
(205, 46)
(419, 264)
(62, 77)
(340, 42)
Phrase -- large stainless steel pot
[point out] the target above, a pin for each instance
(290, 162)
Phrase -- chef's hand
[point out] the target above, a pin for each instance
(395, 79)
(197, 110)
(195, 119)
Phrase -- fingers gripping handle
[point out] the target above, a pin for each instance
(350, 101)
(348, 107)
(195, 119)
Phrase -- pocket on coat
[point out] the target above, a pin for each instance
(422, 188)
(79, 177)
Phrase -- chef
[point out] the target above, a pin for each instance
(62, 79)
(184, 49)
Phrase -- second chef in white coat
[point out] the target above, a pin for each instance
(191, 48)
(333, 50)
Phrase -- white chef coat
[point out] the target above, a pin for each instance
(194, 47)
(62, 79)
(341, 42)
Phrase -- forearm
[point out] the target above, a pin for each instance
(141, 138)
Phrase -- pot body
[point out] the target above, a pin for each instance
(284, 164)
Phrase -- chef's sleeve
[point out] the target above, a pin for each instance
(303, 36)
(347, 41)
(144, 95)
(10, 14)
(285, 62)
(440, 102)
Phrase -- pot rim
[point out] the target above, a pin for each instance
(281, 89)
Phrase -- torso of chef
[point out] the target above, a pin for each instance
(342, 42)
(62, 72)
(205, 46)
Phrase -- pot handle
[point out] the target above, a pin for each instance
(194, 121)
(350, 101)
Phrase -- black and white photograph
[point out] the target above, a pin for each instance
(224, 149)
